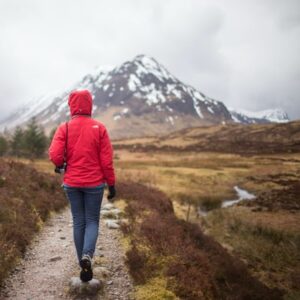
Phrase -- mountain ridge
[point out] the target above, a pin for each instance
(229, 138)
(136, 98)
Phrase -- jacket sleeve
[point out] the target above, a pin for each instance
(106, 158)
(57, 147)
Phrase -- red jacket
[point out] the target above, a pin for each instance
(89, 153)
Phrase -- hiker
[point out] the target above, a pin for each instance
(81, 149)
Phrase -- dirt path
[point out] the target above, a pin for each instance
(50, 262)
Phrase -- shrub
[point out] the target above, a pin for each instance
(3, 145)
(26, 199)
(35, 140)
(195, 265)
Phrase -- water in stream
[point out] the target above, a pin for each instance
(241, 194)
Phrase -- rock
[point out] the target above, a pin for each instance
(124, 222)
(76, 286)
(112, 224)
(108, 214)
(55, 258)
(111, 214)
(107, 206)
(98, 253)
(110, 282)
(101, 272)
(62, 237)
(116, 211)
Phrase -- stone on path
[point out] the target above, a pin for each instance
(76, 286)
(111, 214)
(107, 206)
(112, 224)
(124, 222)
(55, 258)
(101, 272)
(107, 214)
(97, 252)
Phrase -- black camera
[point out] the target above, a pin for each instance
(61, 169)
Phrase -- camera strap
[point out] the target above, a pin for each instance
(66, 143)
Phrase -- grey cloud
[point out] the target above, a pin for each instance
(244, 53)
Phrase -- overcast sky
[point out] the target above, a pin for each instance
(244, 53)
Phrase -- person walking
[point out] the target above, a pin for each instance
(81, 149)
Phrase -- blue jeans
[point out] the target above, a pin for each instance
(85, 207)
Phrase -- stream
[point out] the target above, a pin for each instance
(241, 195)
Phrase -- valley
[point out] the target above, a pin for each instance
(262, 232)
(194, 180)
(185, 164)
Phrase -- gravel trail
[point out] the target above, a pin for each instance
(50, 262)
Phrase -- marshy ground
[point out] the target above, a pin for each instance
(264, 232)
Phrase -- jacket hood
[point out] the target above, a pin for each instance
(80, 103)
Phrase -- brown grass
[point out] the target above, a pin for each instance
(287, 198)
(230, 138)
(196, 267)
(269, 244)
(27, 197)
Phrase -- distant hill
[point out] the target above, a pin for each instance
(265, 116)
(232, 138)
(140, 97)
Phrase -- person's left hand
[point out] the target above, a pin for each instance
(112, 192)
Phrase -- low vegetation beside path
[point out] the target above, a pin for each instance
(27, 198)
(170, 258)
(263, 232)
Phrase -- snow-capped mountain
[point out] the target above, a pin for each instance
(139, 97)
(276, 115)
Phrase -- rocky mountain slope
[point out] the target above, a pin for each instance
(140, 97)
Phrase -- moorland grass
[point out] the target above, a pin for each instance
(272, 254)
(192, 265)
(27, 198)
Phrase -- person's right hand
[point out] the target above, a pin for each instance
(112, 192)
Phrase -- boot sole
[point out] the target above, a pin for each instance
(86, 273)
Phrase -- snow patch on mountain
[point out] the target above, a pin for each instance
(276, 115)
(141, 86)
(29, 110)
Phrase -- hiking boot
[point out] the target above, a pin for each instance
(86, 273)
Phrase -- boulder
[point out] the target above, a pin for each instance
(107, 206)
(112, 224)
(111, 214)
(76, 286)
(115, 211)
